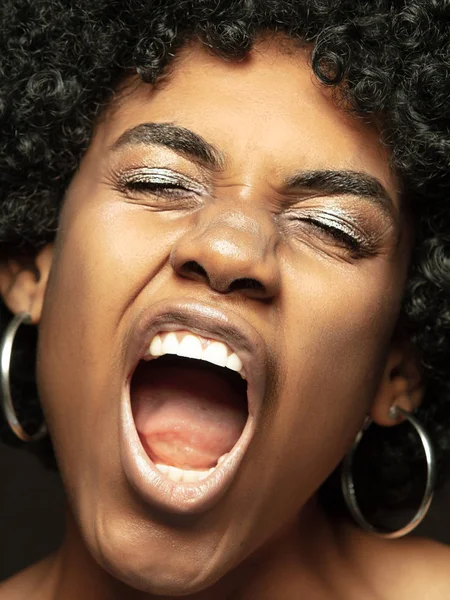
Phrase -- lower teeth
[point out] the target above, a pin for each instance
(187, 475)
(222, 458)
(183, 475)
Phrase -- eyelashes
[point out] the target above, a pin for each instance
(338, 234)
(358, 244)
(159, 182)
(165, 189)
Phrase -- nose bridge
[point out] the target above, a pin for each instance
(232, 244)
(244, 236)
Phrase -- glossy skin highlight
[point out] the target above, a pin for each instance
(325, 308)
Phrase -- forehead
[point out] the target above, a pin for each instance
(268, 107)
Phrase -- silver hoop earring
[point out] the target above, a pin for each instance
(348, 486)
(6, 346)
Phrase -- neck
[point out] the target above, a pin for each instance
(303, 560)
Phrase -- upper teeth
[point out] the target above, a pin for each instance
(189, 345)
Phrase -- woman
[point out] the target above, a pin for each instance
(228, 223)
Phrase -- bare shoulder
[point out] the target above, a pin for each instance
(18, 586)
(14, 588)
(427, 564)
(406, 569)
(27, 584)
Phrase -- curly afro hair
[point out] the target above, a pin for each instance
(388, 60)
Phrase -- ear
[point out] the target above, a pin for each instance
(401, 385)
(23, 282)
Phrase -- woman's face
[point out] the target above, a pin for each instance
(236, 202)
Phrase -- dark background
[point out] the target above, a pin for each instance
(32, 511)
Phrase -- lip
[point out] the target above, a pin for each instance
(225, 326)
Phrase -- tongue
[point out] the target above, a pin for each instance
(187, 416)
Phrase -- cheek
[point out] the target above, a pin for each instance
(334, 341)
(106, 252)
(111, 250)
(339, 319)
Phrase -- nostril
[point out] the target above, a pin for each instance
(192, 267)
(246, 283)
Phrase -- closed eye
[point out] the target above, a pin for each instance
(336, 233)
(172, 190)
(340, 233)
(157, 188)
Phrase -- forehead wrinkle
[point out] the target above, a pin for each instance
(241, 221)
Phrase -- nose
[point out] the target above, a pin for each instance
(230, 252)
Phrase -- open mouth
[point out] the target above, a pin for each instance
(189, 403)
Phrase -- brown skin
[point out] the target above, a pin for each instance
(327, 317)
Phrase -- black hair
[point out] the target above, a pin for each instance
(388, 60)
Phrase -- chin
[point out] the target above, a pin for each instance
(162, 566)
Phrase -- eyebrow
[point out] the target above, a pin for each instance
(194, 147)
(344, 182)
(182, 141)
